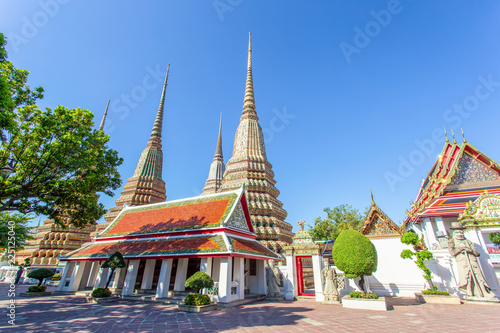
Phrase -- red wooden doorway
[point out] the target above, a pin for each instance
(305, 276)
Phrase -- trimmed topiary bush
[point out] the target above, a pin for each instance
(115, 261)
(36, 289)
(197, 299)
(355, 255)
(56, 277)
(101, 292)
(199, 281)
(40, 274)
(359, 294)
(420, 252)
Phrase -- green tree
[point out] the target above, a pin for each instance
(14, 229)
(495, 238)
(199, 281)
(337, 219)
(40, 274)
(419, 254)
(115, 261)
(355, 255)
(14, 92)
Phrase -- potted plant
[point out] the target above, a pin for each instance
(355, 255)
(198, 302)
(419, 255)
(39, 290)
(103, 295)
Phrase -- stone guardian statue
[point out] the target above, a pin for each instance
(330, 286)
(272, 279)
(471, 278)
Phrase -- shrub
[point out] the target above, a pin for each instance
(495, 238)
(197, 299)
(36, 289)
(56, 277)
(114, 261)
(101, 292)
(355, 255)
(359, 294)
(435, 291)
(40, 274)
(420, 252)
(199, 281)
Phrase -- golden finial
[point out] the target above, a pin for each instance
(445, 134)
(454, 141)
(302, 224)
(371, 194)
(463, 136)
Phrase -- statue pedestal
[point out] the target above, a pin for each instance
(332, 302)
(481, 299)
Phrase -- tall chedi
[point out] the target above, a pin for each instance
(146, 185)
(249, 165)
(217, 167)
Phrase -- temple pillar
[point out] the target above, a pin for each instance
(318, 286)
(147, 278)
(164, 278)
(429, 233)
(76, 278)
(239, 276)
(102, 278)
(291, 283)
(129, 284)
(225, 273)
(261, 277)
(119, 278)
(206, 266)
(68, 270)
(96, 265)
(85, 275)
(180, 276)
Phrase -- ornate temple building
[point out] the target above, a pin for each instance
(146, 185)
(217, 168)
(378, 224)
(52, 240)
(249, 165)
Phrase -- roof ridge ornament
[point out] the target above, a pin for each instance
(371, 194)
(302, 224)
(452, 133)
(463, 136)
(101, 127)
(445, 134)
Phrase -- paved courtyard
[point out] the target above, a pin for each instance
(70, 314)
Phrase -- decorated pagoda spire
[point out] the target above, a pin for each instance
(146, 185)
(103, 120)
(249, 165)
(217, 167)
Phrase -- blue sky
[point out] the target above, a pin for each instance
(349, 93)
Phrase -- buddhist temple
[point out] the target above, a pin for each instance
(249, 165)
(165, 243)
(217, 167)
(146, 185)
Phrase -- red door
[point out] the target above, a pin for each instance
(305, 276)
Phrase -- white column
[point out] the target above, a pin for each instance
(440, 224)
(239, 274)
(96, 265)
(76, 278)
(129, 284)
(318, 286)
(102, 278)
(291, 283)
(225, 271)
(164, 278)
(261, 277)
(206, 266)
(180, 275)
(119, 277)
(429, 233)
(85, 276)
(147, 278)
(70, 265)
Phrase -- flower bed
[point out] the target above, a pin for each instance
(378, 304)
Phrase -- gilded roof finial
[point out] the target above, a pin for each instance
(157, 127)
(454, 141)
(445, 134)
(302, 224)
(249, 100)
(101, 127)
(218, 150)
(371, 194)
(463, 136)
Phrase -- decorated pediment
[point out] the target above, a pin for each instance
(471, 171)
(378, 224)
(483, 212)
(238, 219)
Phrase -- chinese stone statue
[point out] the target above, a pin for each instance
(272, 279)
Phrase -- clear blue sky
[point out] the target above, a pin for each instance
(365, 82)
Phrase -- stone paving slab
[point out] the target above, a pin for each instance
(71, 314)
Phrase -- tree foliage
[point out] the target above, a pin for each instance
(61, 163)
(114, 261)
(199, 281)
(419, 254)
(495, 238)
(337, 219)
(40, 274)
(14, 229)
(354, 254)
(14, 93)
